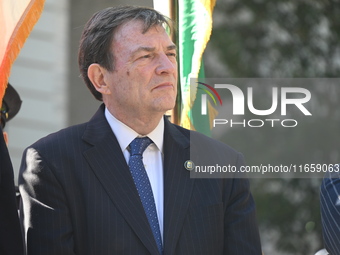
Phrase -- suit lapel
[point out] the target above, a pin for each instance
(108, 164)
(177, 185)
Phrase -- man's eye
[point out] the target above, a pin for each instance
(172, 54)
(146, 56)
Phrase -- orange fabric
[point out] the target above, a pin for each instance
(17, 18)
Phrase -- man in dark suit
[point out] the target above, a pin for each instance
(80, 188)
(330, 210)
(10, 234)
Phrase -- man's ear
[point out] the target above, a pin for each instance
(96, 74)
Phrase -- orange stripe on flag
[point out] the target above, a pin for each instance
(17, 18)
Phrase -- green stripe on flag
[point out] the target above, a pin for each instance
(194, 31)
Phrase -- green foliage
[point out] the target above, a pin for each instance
(282, 39)
(277, 38)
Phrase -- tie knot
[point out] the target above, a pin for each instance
(138, 145)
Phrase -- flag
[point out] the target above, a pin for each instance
(194, 20)
(17, 18)
(194, 25)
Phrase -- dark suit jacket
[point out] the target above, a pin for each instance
(10, 234)
(330, 211)
(79, 198)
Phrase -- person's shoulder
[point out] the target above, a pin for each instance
(331, 179)
(63, 137)
(205, 142)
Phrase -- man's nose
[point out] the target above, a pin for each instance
(167, 64)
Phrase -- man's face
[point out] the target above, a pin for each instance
(144, 79)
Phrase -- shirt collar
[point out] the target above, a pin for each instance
(125, 134)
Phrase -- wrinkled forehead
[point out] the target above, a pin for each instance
(133, 28)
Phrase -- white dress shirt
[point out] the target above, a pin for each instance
(152, 157)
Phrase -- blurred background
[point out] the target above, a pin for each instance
(250, 38)
(282, 39)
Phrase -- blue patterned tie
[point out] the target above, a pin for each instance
(140, 177)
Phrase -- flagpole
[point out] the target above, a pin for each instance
(176, 112)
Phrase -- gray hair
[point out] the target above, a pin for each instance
(98, 33)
